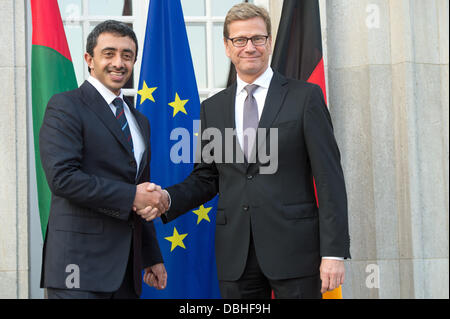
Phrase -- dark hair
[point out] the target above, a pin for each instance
(109, 26)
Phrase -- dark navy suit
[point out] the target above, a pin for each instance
(91, 171)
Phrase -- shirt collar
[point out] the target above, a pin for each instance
(103, 90)
(263, 80)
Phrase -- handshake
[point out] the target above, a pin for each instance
(150, 201)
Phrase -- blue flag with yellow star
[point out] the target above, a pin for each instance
(168, 96)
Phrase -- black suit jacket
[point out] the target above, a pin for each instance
(290, 232)
(91, 171)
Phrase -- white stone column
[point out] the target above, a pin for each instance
(388, 91)
(13, 153)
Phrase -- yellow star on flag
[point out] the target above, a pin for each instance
(202, 213)
(146, 93)
(178, 105)
(176, 239)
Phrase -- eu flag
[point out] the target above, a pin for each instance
(168, 96)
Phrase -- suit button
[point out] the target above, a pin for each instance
(133, 163)
(245, 208)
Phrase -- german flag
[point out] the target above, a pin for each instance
(298, 54)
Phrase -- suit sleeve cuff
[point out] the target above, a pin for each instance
(164, 217)
(168, 195)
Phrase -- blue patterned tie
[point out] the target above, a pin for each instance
(120, 116)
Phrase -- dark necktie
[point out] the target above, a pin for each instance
(137, 222)
(251, 119)
(121, 118)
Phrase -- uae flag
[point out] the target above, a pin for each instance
(51, 72)
(298, 54)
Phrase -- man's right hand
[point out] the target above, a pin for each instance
(149, 198)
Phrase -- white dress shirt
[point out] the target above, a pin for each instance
(138, 140)
(260, 94)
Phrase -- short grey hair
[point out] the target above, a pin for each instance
(245, 11)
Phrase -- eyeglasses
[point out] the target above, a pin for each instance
(257, 40)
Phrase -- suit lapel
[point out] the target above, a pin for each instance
(230, 122)
(93, 100)
(140, 119)
(272, 106)
(229, 103)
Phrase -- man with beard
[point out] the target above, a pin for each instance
(96, 156)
